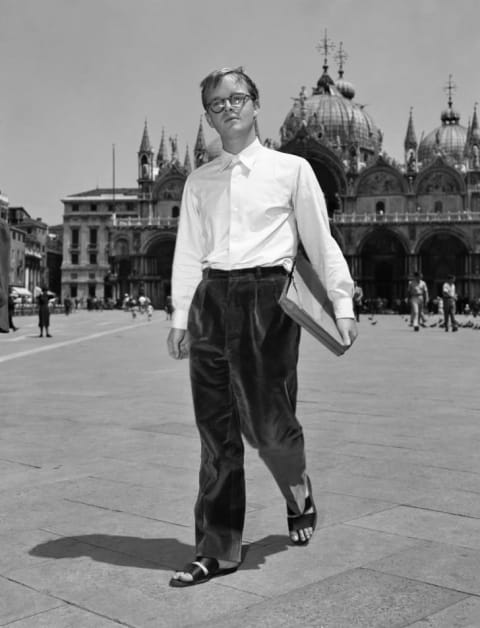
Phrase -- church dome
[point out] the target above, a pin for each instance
(330, 115)
(447, 140)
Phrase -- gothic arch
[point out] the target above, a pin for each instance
(452, 232)
(443, 252)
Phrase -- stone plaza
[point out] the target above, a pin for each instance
(98, 474)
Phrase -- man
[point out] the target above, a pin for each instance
(418, 295)
(11, 310)
(236, 242)
(449, 296)
(357, 300)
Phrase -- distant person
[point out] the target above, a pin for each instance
(357, 301)
(11, 311)
(43, 313)
(67, 304)
(449, 296)
(418, 296)
(169, 308)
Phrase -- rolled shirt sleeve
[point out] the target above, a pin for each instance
(322, 249)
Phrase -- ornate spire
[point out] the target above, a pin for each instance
(325, 81)
(162, 157)
(200, 148)
(340, 56)
(410, 136)
(450, 116)
(187, 164)
(145, 146)
(174, 148)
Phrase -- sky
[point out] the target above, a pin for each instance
(79, 76)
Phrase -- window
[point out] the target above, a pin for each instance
(73, 290)
(438, 207)
(380, 208)
(111, 207)
(91, 290)
(175, 211)
(93, 258)
(75, 237)
(75, 207)
(74, 258)
(91, 275)
(93, 236)
(73, 275)
(93, 207)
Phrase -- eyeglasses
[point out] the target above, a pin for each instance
(236, 101)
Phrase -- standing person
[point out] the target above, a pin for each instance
(449, 296)
(418, 295)
(43, 313)
(169, 308)
(11, 310)
(357, 300)
(238, 233)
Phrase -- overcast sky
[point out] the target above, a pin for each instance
(77, 76)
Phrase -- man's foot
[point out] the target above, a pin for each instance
(200, 570)
(416, 328)
(301, 527)
(40, 335)
(49, 335)
(455, 329)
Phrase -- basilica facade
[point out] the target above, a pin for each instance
(390, 219)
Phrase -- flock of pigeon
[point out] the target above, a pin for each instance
(469, 323)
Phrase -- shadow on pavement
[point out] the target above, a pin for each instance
(131, 551)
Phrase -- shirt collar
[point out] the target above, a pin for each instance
(246, 156)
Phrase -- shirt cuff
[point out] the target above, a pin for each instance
(180, 319)
(343, 308)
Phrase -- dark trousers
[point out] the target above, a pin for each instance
(243, 369)
(449, 308)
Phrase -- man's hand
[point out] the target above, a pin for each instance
(178, 343)
(348, 330)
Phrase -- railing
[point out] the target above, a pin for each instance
(399, 217)
(165, 223)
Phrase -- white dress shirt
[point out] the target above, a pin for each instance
(246, 210)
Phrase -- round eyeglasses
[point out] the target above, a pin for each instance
(236, 101)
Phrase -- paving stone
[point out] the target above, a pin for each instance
(332, 550)
(440, 564)
(425, 524)
(358, 598)
(18, 601)
(464, 614)
(65, 617)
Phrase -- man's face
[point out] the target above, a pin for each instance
(231, 122)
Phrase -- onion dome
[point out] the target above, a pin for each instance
(345, 88)
(332, 117)
(447, 140)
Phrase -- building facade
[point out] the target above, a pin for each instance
(390, 219)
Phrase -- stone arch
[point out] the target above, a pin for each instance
(439, 180)
(169, 188)
(443, 252)
(382, 264)
(382, 181)
(327, 168)
(121, 247)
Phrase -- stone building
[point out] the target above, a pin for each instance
(390, 219)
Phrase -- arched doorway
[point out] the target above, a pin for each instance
(382, 261)
(157, 266)
(442, 254)
(329, 186)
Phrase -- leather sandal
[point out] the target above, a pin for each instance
(202, 570)
(305, 520)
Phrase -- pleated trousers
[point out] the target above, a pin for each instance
(243, 370)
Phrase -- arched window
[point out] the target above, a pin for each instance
(438, 207)
(175, 211)
(380, 208)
